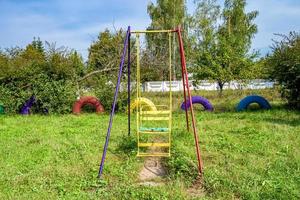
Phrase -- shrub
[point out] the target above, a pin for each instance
(57, 96)
(105, 91)
(285, 67)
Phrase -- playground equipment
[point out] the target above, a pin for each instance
(1, 109)
(87, 100)
(158, 145)
(148, 104)
(200, 100)
(244, 103)
(164, 114)
(25, 110)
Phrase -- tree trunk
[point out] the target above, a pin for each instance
(221, 85)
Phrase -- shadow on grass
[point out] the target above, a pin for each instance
(290, 122)
(280, 115)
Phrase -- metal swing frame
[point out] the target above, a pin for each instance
(186, 90)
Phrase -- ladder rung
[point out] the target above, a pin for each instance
(154, 132)
(154, 154)
(159, 112)
(154, 144)
(141, 129)
(155, 118)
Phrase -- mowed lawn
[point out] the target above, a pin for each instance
(247, 155)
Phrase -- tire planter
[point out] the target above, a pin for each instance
(199, 100)
(1, 109)
(148, 104)
(87, 100)
(261, 101)
(25, 110)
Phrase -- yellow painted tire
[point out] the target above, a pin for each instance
(149, 105)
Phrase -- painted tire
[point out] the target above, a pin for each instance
(144, 102)
(1, 109)
(87, 100)
(200, 100)
(244, 103)
(25, 110)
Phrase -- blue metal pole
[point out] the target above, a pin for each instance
(114, 103)
(128, 83)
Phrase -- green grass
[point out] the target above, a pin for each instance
(247, 155)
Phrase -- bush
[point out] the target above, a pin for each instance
(49, 74)
(57, 96)
(285, 67)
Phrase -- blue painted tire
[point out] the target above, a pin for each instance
(200, 100)
(244, 103)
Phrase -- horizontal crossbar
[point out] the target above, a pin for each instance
(153, 31)
(154, 129)
(154, 154)
(153, 144)
(155, 118)
(154, 132)
(159, 112)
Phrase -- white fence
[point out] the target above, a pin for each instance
(161, 86)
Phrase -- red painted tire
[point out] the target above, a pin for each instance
(87, 100)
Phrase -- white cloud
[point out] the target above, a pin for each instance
(73, 27)
(62, 23)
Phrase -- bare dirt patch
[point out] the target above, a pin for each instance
(197, 189)
(153, 172)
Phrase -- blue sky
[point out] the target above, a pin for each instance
(76, 23)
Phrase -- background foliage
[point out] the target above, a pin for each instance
(284, 65)
(48, 73)
(222, 41)
(217, 44)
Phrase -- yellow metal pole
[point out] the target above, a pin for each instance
(138, 88)
(152, 31)
(170, 88)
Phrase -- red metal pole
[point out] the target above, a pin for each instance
(185, 101)
(184, 72)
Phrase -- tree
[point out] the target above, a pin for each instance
(103, 63)
(223, 48)
(165, 14)
(284, 66)
(106, 50)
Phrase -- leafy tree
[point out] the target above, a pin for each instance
(224, 41)
(165, 14)
(63, 63)
(284, 65)
(106, 50)
(38, 45)
(104, 57)
(103, 63)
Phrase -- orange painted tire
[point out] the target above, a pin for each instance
(87, 100)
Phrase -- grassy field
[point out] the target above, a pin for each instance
(247, 155)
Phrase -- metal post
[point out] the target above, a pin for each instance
(185, 100)
(128, 83)
(114, 104)
(184, 71)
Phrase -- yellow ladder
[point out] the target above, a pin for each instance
(160, 144)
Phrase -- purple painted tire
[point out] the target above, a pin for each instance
(200, 100)
(25, 110)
